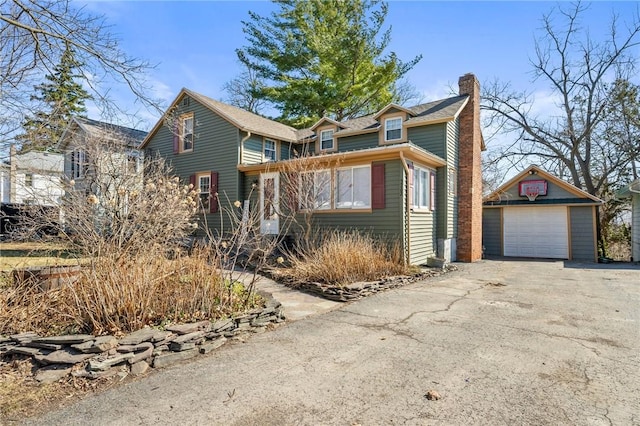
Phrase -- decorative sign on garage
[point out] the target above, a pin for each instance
(532, 189)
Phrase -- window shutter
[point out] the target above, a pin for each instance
(377, 186)
(176, 138)
(192, 181)
(432, 187)
(213, 189)
(410, 189)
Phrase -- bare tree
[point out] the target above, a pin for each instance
(34, 35)
(567, 138)
(244, 90)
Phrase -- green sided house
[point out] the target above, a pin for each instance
(535, 214)
(410, 175)
(632, 191)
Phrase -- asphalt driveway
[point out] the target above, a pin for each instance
(501, 342)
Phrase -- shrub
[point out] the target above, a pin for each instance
(340, 258)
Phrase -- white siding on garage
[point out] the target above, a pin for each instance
(536, 232)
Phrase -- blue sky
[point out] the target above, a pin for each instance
(193, 43)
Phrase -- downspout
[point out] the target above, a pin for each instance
(408, 208)
(242, 141)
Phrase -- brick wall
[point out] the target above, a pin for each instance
(469, 239)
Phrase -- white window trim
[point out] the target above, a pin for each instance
(321, 139)
(386, 129)
(414, 202)
(200, 176)
(337, 183)
(264, 150)
(78, 166)
(183, 121)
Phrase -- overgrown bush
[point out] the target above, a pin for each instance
(343, 257)
(122, 295)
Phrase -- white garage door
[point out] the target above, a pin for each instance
(536, 232)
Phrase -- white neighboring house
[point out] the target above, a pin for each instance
(98, 154)
(632, 191)
(33, 178)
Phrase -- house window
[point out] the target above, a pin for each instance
(204, 188)
(421, 189)
(269, 150)
(78, 164)
(186, 133)
(393, 129)
(28, 180)
(326, 140)
(353, 188)
(453, 183)
(315, 193)
(132, 164)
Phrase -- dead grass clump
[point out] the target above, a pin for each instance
(119, 296)
(341, 258)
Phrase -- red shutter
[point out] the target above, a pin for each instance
(176, 137)
(213, 201)
(432, 186)
(410, 186)
(377, 186)
(192, 181)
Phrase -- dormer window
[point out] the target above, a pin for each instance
(392, 129)
(326, 140)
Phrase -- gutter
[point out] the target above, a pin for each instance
(408, 209)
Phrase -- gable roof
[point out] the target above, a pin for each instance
(557, 181)
(242, 119)
(392, 106)
(102, 130)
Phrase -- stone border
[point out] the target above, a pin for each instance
(84, 355)
(358, 290)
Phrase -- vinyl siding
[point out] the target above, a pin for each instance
(492, 231)
(216, 148)
(286, 150)
(582, 233)
(353, 143)
(252, 150)
(431, 138)
(422, 236)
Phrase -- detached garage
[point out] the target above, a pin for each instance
(536, 214)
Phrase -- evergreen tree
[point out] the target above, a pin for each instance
(61, 97)
(323, 58)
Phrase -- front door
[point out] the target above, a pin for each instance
(269, 200)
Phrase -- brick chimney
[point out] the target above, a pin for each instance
(469, 239)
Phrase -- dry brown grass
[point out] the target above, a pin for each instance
(122, 296)
(341, 258)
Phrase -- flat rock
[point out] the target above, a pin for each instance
(70, 339)
(4, 339)
(23, 350)
(95, 365)
(208, 347)
(144, 352)
(41, 345)
(139, 336)
(52, 373)
(98, 345)
(181, 346)
(190, 327)
(190, 336)
(170, 358)
(140, 367)
(23, 338)
(64, 356)
(223, 325)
